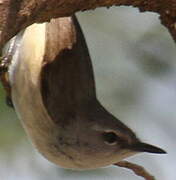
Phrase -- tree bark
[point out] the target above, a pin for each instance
(18, 14)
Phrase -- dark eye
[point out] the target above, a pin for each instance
(110, 138)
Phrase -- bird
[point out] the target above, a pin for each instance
(53, 92)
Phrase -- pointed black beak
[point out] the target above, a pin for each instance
(144, 147)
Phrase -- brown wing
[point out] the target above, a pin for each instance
(67, 76)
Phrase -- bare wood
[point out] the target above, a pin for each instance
(18, 14)
(138, 170)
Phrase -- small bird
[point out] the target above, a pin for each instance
(53, 92)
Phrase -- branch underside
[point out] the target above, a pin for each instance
(18, 14)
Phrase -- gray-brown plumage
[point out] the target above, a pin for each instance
(53, 91)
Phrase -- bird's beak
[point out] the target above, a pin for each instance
(144, 147)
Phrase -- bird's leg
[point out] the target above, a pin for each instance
(5, 82)
(3, 65)
(5, 61)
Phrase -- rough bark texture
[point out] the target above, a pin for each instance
(17, 14)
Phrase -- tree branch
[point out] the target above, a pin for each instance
(18, 14)
(138, 170)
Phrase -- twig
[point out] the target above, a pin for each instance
(138, 170)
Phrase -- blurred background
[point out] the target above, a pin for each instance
(135, 70)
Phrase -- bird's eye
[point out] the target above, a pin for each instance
(110, 138)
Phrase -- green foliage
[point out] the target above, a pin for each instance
(10, 128)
